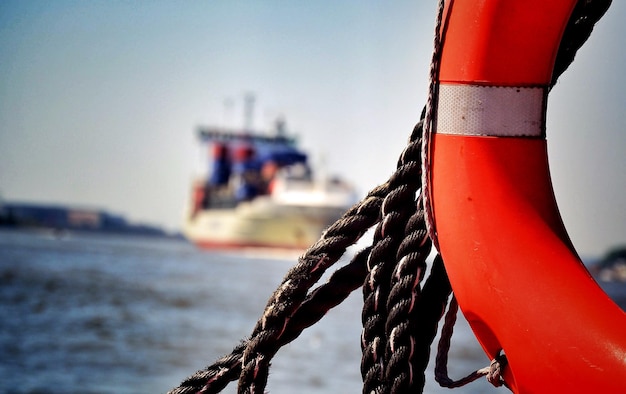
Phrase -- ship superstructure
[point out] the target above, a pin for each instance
(261, 191)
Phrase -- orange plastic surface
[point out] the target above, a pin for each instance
(503, 42)
(517, 279)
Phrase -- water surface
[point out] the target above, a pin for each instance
(106, 314)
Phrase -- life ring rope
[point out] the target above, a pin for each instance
(494, 215)
(429, 116)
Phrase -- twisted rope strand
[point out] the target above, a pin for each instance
(214, 378)
(402, 304)
(492, 372)
(355, 222)
(265, 339)
(585, 15)
(429, 312)
(429, 120)
(404, 294)
(441, 361)
(397, 208)
(325, 297)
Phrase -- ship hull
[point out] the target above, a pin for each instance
(262, 223)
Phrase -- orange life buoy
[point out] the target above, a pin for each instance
(517, 278)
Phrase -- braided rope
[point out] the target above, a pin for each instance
(215, 377)
(398, 207)
(410, 318)
(585, 15)
(425, 320)
(429, 119)
(404, 297)
(266, 337)
(339, 286)
(347, 230)
(492, 372)
(323, 298)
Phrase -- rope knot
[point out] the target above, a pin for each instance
(494, 376)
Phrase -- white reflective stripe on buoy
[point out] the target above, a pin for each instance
(499, 111)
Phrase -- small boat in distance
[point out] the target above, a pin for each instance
(261, 192)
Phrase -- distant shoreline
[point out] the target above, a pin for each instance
(58, 218)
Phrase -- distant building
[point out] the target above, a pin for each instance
(59, 217)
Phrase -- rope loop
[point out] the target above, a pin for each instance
(493, 372)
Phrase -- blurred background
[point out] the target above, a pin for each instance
(99, 103)
(99, 100)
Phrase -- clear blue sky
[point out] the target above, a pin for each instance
(99, 99)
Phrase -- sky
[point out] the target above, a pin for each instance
(99, 100)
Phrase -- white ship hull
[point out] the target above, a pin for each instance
(263, 222)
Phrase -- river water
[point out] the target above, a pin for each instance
(107, 314)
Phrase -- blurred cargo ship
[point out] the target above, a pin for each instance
(261, 192)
